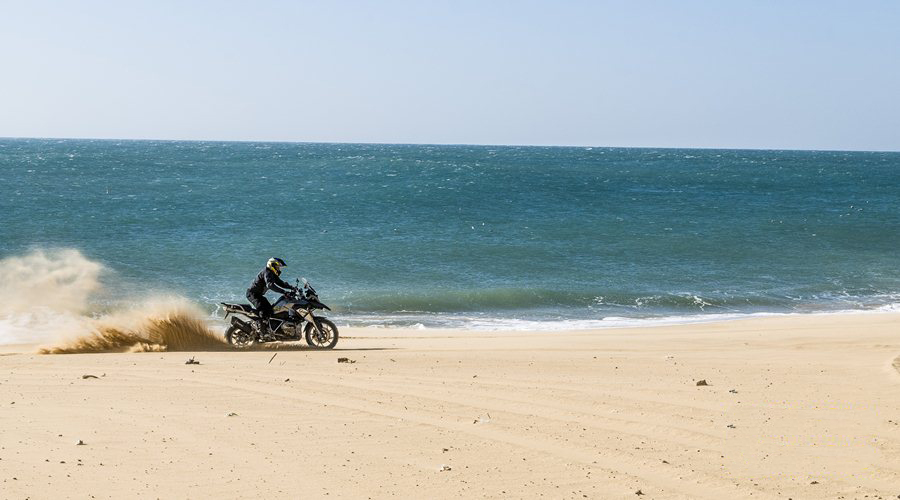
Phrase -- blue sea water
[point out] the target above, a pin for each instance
(470, 236)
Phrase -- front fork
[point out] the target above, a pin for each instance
(308, 316)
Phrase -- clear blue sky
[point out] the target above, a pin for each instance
(679, 73)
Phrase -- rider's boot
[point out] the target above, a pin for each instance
(262, 326)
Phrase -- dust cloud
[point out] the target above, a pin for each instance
(46, 298)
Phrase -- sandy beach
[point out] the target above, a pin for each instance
(795, 407)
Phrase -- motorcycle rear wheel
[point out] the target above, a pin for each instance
(329, 336)
(238, 338)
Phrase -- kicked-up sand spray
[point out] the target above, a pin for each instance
(45, 298)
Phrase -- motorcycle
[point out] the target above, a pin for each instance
(292, 318)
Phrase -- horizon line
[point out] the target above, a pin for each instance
(365, 143)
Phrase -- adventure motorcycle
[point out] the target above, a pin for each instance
(291, 319)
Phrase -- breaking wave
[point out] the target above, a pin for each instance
(596, 302)
(46, 298)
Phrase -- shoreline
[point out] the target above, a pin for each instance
(615, 322)
(411, 332)
(771, 324)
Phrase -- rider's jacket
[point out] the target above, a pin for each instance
(267, 280)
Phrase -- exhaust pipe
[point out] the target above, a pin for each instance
(242, 325)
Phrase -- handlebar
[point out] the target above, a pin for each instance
(307, 289)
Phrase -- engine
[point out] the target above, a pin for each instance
(289, 329)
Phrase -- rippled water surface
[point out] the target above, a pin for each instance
(470, 235)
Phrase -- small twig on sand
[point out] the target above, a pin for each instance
(273, 357)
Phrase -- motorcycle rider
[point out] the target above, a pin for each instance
(267, 279)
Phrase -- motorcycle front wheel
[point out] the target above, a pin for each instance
(328, 338)
(239, 338)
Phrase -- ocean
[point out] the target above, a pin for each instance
(485, 237)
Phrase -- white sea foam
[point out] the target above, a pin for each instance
(606, 322)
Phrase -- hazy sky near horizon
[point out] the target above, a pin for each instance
(763, 74)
